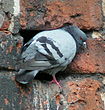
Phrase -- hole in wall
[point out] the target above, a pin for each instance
(42, 76)
(28, 34)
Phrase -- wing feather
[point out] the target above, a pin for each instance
(34, 59)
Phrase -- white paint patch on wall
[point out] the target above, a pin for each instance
(11, 26)
(96, 34)
(16, 7)
(103, 7)
(1, 20)
(103, 81)
(16, 12)
(103, 98)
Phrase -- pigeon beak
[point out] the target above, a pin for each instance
(84, 44)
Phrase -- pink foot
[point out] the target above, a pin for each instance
(55, 81)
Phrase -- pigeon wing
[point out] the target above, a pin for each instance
(35, 56)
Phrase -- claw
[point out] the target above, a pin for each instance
(55, 81)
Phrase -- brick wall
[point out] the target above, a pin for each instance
(84, 79)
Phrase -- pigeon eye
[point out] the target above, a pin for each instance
(81, 38)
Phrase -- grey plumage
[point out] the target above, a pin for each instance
(49, 51)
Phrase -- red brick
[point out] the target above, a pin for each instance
(92, 59)
(55, 13)
(84, 95)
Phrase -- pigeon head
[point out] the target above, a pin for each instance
(79, 36)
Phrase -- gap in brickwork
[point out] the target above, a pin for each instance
(28, 34)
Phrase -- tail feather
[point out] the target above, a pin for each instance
(25, 76)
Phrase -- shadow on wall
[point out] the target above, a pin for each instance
(28, 34)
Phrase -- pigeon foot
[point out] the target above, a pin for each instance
(55, 81)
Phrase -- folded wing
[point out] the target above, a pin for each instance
(36, 56)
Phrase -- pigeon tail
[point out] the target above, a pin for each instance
(25, 76)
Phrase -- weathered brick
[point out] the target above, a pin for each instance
(84, 95)
(48, 14)
(91, 60)
(76, 94)
(4, 21)
(10, 11)
(1, 20)
(11, 95)
(10, 47)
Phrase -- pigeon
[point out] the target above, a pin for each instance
(50, 51)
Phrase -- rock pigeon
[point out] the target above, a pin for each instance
(50, 51)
